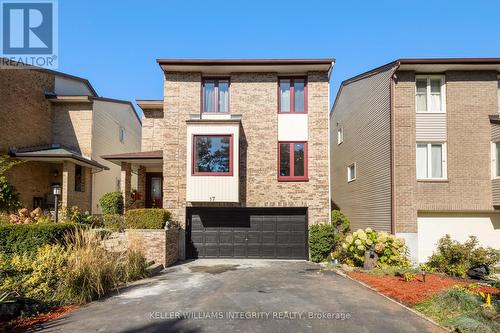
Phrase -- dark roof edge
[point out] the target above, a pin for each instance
(246, 62)
(440, 61)
(120, 101)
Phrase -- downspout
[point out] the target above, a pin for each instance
(393, 81)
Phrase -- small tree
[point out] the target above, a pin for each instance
(9, 198)
(112, 203)
(320, 241)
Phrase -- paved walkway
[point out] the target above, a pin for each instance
(243, 296)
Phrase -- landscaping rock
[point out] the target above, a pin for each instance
(371, 259)
(478, 272)
(154, 269)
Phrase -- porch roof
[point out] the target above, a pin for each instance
(140, 157)
(54, 153)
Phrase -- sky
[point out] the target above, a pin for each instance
(115, 44)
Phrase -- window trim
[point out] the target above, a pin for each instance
(494, 155)
(216, 80)
(444, 161)
(443, 93)
(292, 94)
(349, 179)
(121, 137)
(82, 179)
(292, 178)
(340, 134)
(498, 92)
(218, 174)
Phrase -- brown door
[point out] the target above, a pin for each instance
(154, 190)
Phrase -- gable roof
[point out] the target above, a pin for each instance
(426, 65)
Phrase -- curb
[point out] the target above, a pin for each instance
(421, 315)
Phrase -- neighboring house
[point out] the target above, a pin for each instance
(60, 126)
(415, 151)
(238, 152)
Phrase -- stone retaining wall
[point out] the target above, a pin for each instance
(158, 245)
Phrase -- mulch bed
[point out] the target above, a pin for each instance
(411, 293)
(22, 324)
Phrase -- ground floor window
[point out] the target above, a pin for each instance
(212, 155)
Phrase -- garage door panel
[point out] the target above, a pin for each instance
(268, 237)
(211, 237)
(225, 237)
(247, 233)
(253, 251)
(240, 237)
(297, 237)
(226, 251)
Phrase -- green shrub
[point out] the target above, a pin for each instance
(146, 218)
(321, 238)
(9, 198)
(26, 238)
(341, 226)
(455, 259)
(73, 214)
(113, 222)
(111, 203)
(79, 272)
(390, 249)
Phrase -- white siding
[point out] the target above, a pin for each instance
(431, 228)
(292, 127)
(431, 127)
(212, 188)
(108, 118)
(65, 86)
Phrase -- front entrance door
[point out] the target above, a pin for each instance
(154, 190)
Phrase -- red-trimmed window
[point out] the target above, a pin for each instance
(212, 155)
(292, 93)
(292, 161)
(215, 95)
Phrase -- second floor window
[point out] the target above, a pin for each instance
(292, 95)
(351, 172)
(212, 155)
(430, 94)
(340, 134)
(121, 135)
(292, 160)
(495, 160)
(215, 95)
(498, 83)
(431, 163)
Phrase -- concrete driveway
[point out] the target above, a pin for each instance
(243, 296)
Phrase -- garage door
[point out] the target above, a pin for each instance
(247, 233)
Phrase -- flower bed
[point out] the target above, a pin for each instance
(413, 292)
(23, 324)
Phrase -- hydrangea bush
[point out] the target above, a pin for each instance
(390, 249)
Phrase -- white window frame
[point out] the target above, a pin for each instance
(494, 160)
(340, 134)
(121, 134)
(443, 92)
(444, 163)
(349, 179)
(498, 92)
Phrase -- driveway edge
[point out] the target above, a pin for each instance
(393, 300)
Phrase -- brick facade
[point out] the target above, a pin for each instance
(471, 96)
(254, 97)
(160, 246)
(152, 130)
